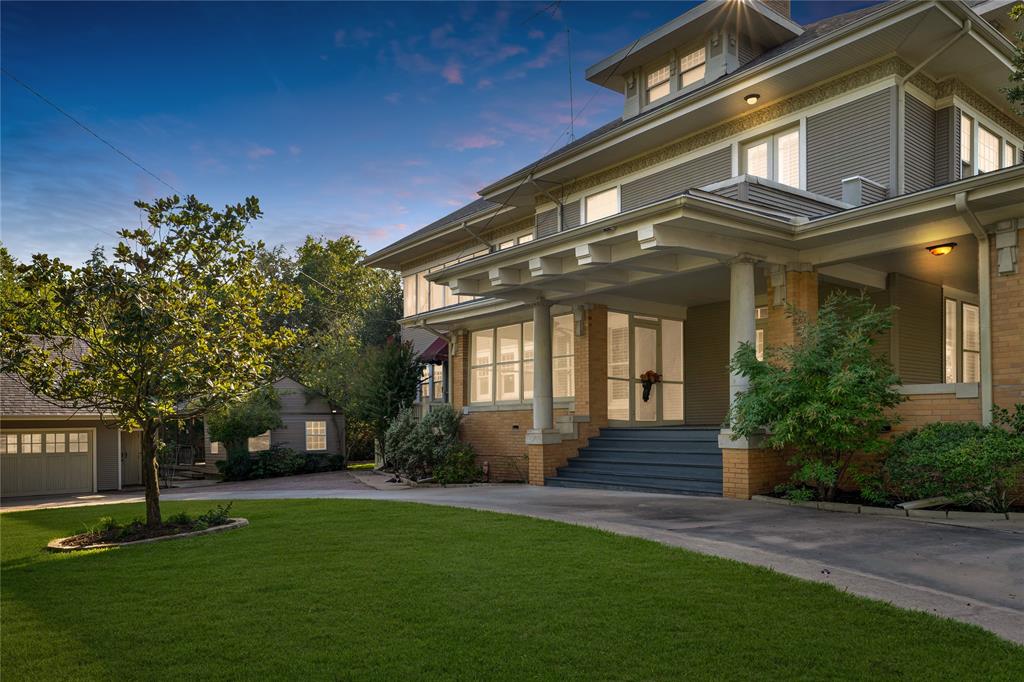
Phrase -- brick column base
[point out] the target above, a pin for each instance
(755, 471)
(545, 459)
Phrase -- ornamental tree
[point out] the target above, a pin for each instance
(826, 397)
(170, 327)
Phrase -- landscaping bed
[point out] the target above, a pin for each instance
(107, 532)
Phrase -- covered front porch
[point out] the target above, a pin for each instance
(675, 288)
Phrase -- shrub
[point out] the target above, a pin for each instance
(420, 449)
(277, 461)
(458, 466)
(217, 516)
(973, 465)
(398, 440)
(826, 397)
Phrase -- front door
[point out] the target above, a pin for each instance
(637, 344)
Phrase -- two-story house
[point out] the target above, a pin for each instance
(757, 163)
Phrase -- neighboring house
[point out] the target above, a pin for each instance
(309, 424)
(48, 449)
(757, 164)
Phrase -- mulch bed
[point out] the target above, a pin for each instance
(137, 532)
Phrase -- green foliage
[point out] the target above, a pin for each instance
(173, 325)
(217, 516)
(278, 461)
(458, 466)
(235, 423)
(1015, 93)
(1012, 422)
(383, 383)
(179, 519)
(825, 397)
(430, 447)
(973, 465)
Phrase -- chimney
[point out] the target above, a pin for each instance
(780, 6)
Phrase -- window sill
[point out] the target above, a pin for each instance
(560, 403)
(960, 390)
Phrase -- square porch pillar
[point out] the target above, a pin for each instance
(543, 437)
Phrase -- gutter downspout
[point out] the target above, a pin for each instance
(901, 105)
(984, 301)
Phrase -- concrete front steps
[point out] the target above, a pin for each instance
(684, 460)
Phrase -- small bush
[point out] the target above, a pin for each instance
(179, 519)
(973, 465)
(217, 516)
(458, 466)
(399, 447)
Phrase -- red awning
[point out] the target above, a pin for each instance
(436, 352)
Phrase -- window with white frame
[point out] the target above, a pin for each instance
(1009, 155)
(501, 362)
(657, 81)
(515, 240)
(420, 295)
(988, 150)
(966, 143)
(962, 342)
(56, 442)
(78, 442)
(775, 157)
(431, 384)
(316, 435)
(601, 205)
(691, 67)
(260, 443)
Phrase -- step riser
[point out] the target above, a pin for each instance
(565, 483)
(702, 473)
(655, 435)
(653, 446)
(707, 458)
(640, 479)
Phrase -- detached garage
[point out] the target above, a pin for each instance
(48, 449)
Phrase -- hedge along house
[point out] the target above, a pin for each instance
(757, 164)
(309, 424)
(53, 449)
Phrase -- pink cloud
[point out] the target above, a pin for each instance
(554, 48)
(260, 152)
(475, 141)
(452, 72)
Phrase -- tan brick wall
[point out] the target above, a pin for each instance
(802, 292)
(919, 410)
(1008, 331)
(752, 472)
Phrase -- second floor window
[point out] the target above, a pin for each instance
(658, 85)
(966, 142)
(775, 157)
(691, 68)
(601, 205)
(988, 151)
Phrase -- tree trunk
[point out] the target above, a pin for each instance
(151, 474)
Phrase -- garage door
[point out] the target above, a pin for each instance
(47, 461)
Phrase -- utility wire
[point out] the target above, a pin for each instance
(88, 129)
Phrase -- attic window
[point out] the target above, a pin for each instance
(658, 85)
(691, 68)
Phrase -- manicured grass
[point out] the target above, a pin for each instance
(385, 590)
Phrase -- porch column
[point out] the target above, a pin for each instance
(742, 328)
(543, 400)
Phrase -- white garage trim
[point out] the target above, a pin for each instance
(120, 476)
(90, 429)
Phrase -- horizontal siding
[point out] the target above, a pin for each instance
(919, 141)
(871, 193)
(704, 170)
(918, 329)
(571, 215)
(787, 201)
(546, 223)
(706, 364)
(292, 433)
(943, 145)
(853, 139)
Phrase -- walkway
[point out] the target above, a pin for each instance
(970, 574)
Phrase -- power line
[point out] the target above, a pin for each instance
(88, 130)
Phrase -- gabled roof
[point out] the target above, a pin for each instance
(17, 401)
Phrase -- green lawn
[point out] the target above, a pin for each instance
(385, 590)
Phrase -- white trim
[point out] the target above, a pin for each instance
(584, 219)
(120, 473)
(961, 390)
(960, 294)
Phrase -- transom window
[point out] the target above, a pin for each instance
(56, 442)
(658, 85)
(8, 443)
(501, 362)
(775, 157)
(962, 342)
(78, 442)
(601, 205)
(691, 67)
(316, 435)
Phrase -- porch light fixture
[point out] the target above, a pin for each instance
(941, 249)
(751, 98)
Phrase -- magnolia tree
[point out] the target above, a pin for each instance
(826, 397)
(173, 325)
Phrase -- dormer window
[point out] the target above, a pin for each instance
(691, 68)
(658, 85)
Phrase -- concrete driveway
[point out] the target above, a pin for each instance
(972, 574)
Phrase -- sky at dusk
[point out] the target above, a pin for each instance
(343, 118)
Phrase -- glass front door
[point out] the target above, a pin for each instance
(636, 344)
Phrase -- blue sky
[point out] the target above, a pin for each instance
(343, 118)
